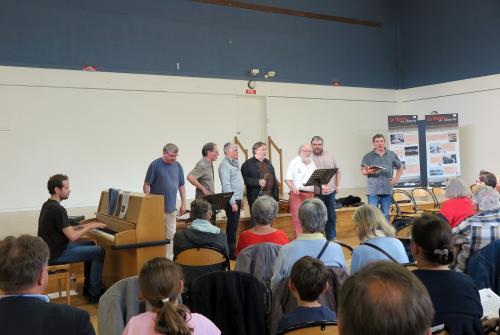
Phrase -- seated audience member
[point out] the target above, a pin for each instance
(453, 294)
(478, 230)
(61, 237)
(458, 205)
(200, 233)
(24, 309)
(313, 216)
(384, 298)
(160, 283)
(264, 210)
(375, 233)
(308, 279)
(487, 178)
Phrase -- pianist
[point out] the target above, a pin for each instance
(61, 237)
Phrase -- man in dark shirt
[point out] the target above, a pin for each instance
(61, 237)
(24, 309)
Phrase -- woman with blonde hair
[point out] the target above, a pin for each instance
(160, 284)
(458, 205)
(377, 239)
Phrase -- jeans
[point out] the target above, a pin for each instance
(232, 227)
(329, 201)
(384, 200)
(92, 255)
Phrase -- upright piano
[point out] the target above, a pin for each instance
(132, 240)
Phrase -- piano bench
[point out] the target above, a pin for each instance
(60, 272)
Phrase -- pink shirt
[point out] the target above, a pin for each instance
(144, 324)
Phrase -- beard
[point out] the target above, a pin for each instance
(317, 151)
(306, 160)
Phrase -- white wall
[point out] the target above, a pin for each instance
(103, 129)
(477, 102)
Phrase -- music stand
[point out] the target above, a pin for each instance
(218, 201)
(321, 177)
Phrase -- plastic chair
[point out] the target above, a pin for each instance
(438, 193)
(201, 256)
(61, 272)
(313, 328)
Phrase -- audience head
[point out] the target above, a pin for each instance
(231, 150)
(200, 209)
(23, 264)
(384, 298)
(170, 152)
(160, 283)
(432, 240)
(456, 188)
(264, 210)
(371, 222)
(57, 184)
(486, 198)
(259, 150)
(313, 216)
(487, 178)
(308, 278)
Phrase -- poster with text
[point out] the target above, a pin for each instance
(403, 140)
(443, 149)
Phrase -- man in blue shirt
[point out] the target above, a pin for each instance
(24, 309)
(165, 176)
(378, 165)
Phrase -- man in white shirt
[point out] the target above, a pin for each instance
(298, 172)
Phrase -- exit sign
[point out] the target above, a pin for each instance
(251, 91)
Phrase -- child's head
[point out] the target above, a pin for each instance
(160, 282)
(309, 278)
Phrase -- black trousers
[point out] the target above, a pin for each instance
(232, 227)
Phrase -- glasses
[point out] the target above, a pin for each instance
(306, 151)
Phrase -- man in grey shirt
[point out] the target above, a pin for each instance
(202, 176)
(231, 181)
(165, 177)
(378, 165)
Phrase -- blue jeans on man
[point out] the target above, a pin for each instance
(329, 201)
(92, 255)
(382, 201)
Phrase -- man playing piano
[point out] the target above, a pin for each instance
(165, 176)
(61, 237)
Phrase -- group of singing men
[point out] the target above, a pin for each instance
(165, 177)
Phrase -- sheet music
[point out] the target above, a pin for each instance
(124, 206)
(490, 302)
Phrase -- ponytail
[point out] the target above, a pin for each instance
(172, 320)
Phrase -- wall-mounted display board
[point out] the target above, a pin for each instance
(442, 148)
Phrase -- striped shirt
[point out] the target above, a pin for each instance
(475, 233)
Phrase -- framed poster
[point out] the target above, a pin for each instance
(404, 141)
(442, 147)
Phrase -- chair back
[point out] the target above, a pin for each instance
(421, 194)
(402, 197)
(438, 193)
(258, 260)
(473, 188)
(313, 328)
(118, 305)
(233, 300)
(200, 256)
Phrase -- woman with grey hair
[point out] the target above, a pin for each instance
(264, 210)
(458, 205)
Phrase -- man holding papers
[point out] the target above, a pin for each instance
(378, 165)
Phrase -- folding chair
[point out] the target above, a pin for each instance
(313, 328)
(424, 195)
(403, 197)
(438, 193)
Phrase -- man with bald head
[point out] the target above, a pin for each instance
(384, 298)
(298, 172)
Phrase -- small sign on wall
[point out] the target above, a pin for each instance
(250, 91)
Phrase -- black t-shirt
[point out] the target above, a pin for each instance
(53, 218)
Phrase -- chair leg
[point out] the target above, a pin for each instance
(68, 289)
